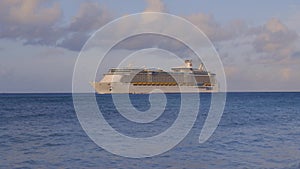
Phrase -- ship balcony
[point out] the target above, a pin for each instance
(154, 84)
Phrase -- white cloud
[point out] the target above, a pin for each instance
(275, 39)
(155, 6)
(31, 21)
(215, 31)
(285, 73)
(38, 22)
(90, 16)
(31, 12)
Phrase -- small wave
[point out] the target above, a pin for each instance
(294, 166)
(58, 134)
(53, 144)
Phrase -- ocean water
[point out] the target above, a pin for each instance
(257, 130)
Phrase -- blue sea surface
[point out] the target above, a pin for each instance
(257, 130)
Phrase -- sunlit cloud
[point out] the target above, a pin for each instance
(30, 21)
(155, 6)
(285, 73)
(276, 39)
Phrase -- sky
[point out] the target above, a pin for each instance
(257, 41)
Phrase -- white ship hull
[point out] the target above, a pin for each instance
(115, 88)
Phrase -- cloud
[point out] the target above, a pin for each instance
(29, 12)
(145, 41)
(275, 39)
(90, 16)
(32, 21)
(206, 23)
(285, 73)
(272, 41)
(296, 54)
(155, 6)
(215, 31)
(75, 41)
(38, 22)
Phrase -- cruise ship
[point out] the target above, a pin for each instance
(183, 79)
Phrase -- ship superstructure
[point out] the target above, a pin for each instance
(141, 80)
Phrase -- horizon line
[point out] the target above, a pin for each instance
(232, 91)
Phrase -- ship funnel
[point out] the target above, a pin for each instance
(188, 63)
(202, 68)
